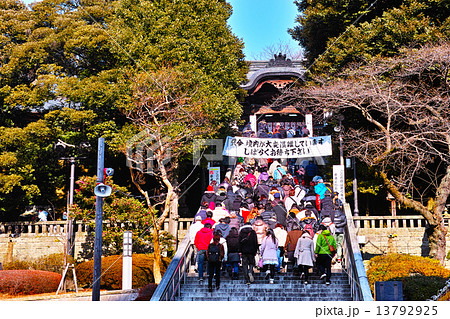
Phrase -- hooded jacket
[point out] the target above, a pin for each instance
(248, 243)
(203, 238)
(321, 244)
(208, 196)
(224, 229)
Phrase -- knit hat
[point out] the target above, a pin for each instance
(210, 189)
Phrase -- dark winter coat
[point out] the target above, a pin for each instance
(290, 222)
(267, 216)
(327, 208)
(248, 243)
(208, 197)
(281, 213)
(340, 220)
(233, 246)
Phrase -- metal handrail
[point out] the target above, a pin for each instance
(175, 274)
(169, 287)
(353, 265)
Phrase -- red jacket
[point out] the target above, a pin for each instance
(209, 221)
(203, 238)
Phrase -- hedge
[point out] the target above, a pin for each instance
(28, 282)
(422, 277)
(111, 279)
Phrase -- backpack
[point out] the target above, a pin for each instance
(214, 253)
(309, 229)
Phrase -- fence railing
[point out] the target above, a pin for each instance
(49, 227)
(169, 287)
(353, 262)
(413, 221)
(61, 227)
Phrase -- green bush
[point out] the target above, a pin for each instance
(28, 282)
(111, 279)
(413, 271)
(420, 288)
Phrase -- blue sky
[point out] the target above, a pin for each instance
(261, 24)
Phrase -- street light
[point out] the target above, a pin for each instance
(61, 148)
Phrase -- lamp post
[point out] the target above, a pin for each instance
(127, 264)
(61, 148)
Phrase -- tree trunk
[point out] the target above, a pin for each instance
(157, 260)
(173, 217)
(436, 232)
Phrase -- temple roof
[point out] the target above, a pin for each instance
(278, 72)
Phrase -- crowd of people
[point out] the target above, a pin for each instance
(268, 215)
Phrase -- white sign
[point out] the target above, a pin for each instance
(214, 175)
(309, 123)
(339, 181)
(297, 147)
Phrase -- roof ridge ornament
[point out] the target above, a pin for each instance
(279, 61)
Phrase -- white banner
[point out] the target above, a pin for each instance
(339, 181)
(297, 147)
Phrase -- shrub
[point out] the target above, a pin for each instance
(420, 288)
(52, 263)
(27, 282)
(402, 267)
(111, 279)
(18, 265)
(146, 292)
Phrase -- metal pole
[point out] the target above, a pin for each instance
(98, 224)
(341, 148)
(72, 180)
(71, 191)
(355, 189)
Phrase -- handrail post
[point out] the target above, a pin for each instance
(362, 283)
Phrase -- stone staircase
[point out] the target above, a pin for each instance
(286, 287)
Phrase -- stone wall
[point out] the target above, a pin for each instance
(378, 235)
(401, 234)
(28, 241)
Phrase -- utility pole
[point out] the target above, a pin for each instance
(98, 223)
(355, 189)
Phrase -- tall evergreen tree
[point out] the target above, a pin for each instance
(335, 33)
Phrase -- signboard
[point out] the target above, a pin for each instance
(214, 175)
(309, 123)
(297, 147)
(339, 181)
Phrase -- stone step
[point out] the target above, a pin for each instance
(270, 289)
(295, 282)
(266, 284)
(286, 287)
(216, 297)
